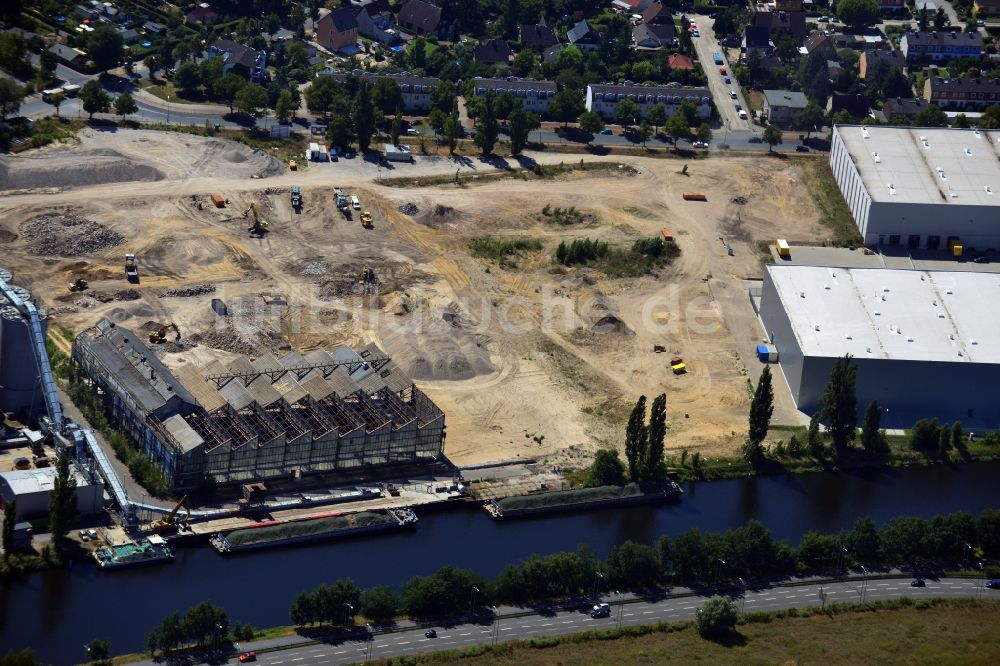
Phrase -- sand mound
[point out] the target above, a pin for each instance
(234, 156)
(67, 235)
(72, 168)
(435, 347)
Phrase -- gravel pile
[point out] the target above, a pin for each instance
(67, 235)
(409, 208)
(186, 292)
(227, 339)
(314, 268)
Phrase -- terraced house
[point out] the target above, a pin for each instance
(962, 93)
(603, 98)
(534, 95)
(416, 90)
(936, 46)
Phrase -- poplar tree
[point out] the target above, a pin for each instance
(761, 408)
(635, 438)
(840, 403)
(652, 461)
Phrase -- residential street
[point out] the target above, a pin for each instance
(705, 46)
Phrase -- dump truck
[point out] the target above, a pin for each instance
(366, 220)
(340, 199)
(296, 197)
(131, 268)
(218, 200)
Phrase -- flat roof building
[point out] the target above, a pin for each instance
(32, 488)
(923, 342)
(920, 187)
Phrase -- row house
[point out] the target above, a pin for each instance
(535, 95)
(603, 99)
(416, 90)
(940, 45)
(962, 93)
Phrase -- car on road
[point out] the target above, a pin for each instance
(994, 584)
(695, 33)
(980, 259)
(355, 202)
(601, 610)
(824, 19)
(728, 80)
(738, 107)
(607, 131)
(700, 144)
(722, 70)
(802, 149)
(431, 633)
(248, 656)
(411, 130)
(755, 139)
(732, 94)
(918, 582)
(742, 114)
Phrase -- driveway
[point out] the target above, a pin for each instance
(705, 46)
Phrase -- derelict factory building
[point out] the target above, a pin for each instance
(925, 343)
(921, 187)
(263, 418)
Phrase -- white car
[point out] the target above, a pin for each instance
(355, 202)
(732, 94)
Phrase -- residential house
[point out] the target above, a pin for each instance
(817, 41)
(337, 29)
(756, 40)
(129, 36)
(857, 105)
(788, 5)
(658, 14)
(904, 107)
(792, 22)
(152, 27)
(419, 17)
(538, 37)
(680, 62)
(551, 53)
(892, 6)
(872, 61)
(203, 13)
(654, 36)
(492, 52)
(376, 22)
(630, 6)
(603, 98)
(940, 45)
(833, 69)
(962, 93)
(859, 41)
(416, 90)
(82, 13)
(239, 58)
(68, 54)
(584, 37)
(534, 95)
(983, 8)
(780, 106)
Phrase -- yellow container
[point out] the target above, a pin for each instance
(783, 249)
(956, 250)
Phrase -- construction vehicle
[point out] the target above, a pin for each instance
(160, 334)
(366, 220)
(78, 284)
(293, 165)
(131, 268)
(296, 197)
(259, 227)
(169, 522)
(341, 199)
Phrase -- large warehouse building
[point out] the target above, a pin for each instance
(926, 344)
(261, 419)
(920, 187)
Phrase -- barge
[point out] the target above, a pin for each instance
(315, 528)
(153, 550)
(582, 499)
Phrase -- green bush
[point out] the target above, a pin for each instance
(498, 249)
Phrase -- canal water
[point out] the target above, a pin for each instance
(56, 613)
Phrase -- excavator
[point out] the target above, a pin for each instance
(78, 284)
(160, 334)
(169, 522)
(259, 227)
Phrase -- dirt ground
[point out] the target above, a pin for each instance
(522, 358)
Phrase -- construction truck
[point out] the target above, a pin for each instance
(78, 284)
(160, 334)
(259, 226)
(169, 522)
(341, 199)
(131, 268)
(296, 197)
(366, 220)
(368, 281)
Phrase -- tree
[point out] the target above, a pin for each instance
(25, 657)
(386, 95)
(840, 403)
(990, 118)
(104, 46)
(62, 501)
(99, 651)
(961, 122)
(379, 604)
(940, 19)
(339, 132)
(607, 469)
(704, 132)
(487, 129)
(94, 98)
(364, 116)
(652, 459)
(566, 106)
(923, 20)
(187, 76)
(56, 100)
(931, 116)
(809, 119)
(11, 95)
(251, 100)
(125, 105)
(645, 131)
(205, 623)
(858, 13)
(761, 408)
(285, 108)
(627, 113)
(396, 128)
(635, 438)
(872, 438)
(633, 565)
(772, 136)
(814, 438)
(944, 440)
(957, 435)
(9, 521)
(452, 130)
(677, 127)
(924, 435)
(657, 116)
(590, 122)
(863, 541)
(521, 124)
(716, 617)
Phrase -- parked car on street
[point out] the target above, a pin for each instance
(431, 633)
(802, 149)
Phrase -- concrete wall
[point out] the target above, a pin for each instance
(779, 332)
(849, 181)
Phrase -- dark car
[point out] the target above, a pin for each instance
(802, 149)
(431, 633)
(918, 582)
(755, 139)
(994, 584)
(981, 259)
(606, 131)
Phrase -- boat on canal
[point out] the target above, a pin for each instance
(152, 550)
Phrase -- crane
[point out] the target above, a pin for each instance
(259, 227)
(169, 521)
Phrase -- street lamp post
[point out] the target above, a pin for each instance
(843, 551)
(496, 626)
(597, 576)
(168, 109)
(370, 636)
(743, 596)
(472, 601)
(719, 562)
(621, 608)
(347, 612)
(864, 584)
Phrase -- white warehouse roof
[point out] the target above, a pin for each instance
(926, 165)
(892, 314)
(28, 481)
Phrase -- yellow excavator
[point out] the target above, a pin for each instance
(160, 334)
(169, 522)
(259, 227)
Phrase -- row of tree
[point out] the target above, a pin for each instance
(204, 624)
